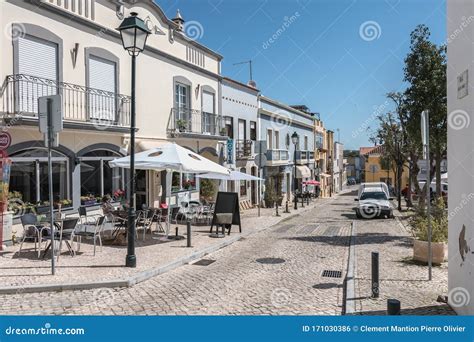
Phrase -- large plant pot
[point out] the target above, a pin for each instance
(439, 251)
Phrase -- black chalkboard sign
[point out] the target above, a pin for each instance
(227, 203)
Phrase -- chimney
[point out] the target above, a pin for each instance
(179, 21)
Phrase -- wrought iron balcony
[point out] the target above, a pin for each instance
(243, 149)
(19, 97)
(191, 121)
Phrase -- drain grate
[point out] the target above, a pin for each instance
(332, 274)
(271, 260)
(204, 262)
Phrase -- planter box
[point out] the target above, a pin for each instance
(439, 251)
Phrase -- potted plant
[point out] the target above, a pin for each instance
(181, 124)
(223, 131)
(207, 189)
(439, 234)
(88, 200)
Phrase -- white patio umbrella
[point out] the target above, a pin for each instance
(171, 157)
(233, 175)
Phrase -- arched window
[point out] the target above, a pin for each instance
(29, 176)
(98, 178)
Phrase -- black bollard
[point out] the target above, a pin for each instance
(302, 201)
(188, 231)
(375, 274)
(176, 231)
(296, 202)
(287, 209)
(276, 209)
(393, 307)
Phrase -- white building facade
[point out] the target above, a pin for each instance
(72, 48)
(240, 118)
(460, 156)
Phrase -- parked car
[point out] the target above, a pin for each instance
(380, 185)
(373, 202)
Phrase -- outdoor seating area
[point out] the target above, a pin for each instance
(31, 266)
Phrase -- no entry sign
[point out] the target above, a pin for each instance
(5, 140)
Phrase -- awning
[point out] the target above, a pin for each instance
(302, 171)
(312, 182)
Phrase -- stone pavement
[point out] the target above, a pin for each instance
(400, 277)
(276, 271)
(25, 270)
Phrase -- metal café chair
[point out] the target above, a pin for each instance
(63, 231)
(31, 231)
(90, 234)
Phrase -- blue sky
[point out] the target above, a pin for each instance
(323, 57)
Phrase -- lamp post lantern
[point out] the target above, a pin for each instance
(134, 34)
(295, 140)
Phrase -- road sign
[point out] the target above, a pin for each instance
(5, 140)
(56, 113)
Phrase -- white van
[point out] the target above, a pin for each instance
(380, 185)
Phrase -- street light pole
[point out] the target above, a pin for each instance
(131, 259)
(134, 34)
(294, 139)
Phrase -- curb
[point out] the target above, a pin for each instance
(143, 275)
(349, 294)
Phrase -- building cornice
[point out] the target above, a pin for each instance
(265, 112)
(116, 35)
(286, 107)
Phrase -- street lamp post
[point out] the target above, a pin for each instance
(134, 34)
(295, 139)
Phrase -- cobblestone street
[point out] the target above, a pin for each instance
(279, 271)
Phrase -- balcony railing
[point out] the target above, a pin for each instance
(243, 148)
(192, 121)
(277, 155)
(19, 96)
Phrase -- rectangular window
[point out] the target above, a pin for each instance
(182, 182)
(269, 139)
(242, 130)
(306, 143)
(229, 126)
(253, 130)
(243, 184)
(277, 140)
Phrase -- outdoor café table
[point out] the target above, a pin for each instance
(121, 217)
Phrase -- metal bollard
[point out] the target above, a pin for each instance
(302, 201)
(296, 202)
(276, 209)
(393, 307)
(375, 274)
(188, 232)
(176, 231)
(307, 199)
(287, 209)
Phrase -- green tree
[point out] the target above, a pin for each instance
(425, 71)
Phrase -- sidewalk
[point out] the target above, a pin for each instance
(27, 273)
(400, 277)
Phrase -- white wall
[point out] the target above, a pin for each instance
(460, 31)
